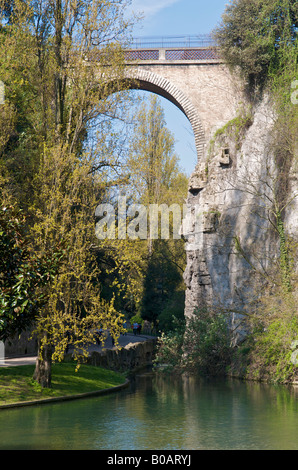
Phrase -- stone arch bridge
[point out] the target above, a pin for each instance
(193, 77)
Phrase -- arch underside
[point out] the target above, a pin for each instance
(146, 86)
(148, 81)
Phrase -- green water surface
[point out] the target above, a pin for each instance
(162, 413)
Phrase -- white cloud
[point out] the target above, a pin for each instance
(151, 7)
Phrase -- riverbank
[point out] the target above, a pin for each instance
(17, 388)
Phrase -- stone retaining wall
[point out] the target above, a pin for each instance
(132, 356)
(21, 345)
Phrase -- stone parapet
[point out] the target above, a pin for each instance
(132, 356)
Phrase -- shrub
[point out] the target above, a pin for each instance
(201, 346)
(169, 350)
(275, 328)
(207, 343)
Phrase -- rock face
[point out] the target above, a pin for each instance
(226, 227)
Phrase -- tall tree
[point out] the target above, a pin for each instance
(68, 61)
(156, 179)
(144, 268)
(155, 176)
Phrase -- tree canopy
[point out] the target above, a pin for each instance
(56, 61)
(256, 35)
(61, 155)
(23, 273)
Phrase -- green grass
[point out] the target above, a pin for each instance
(16, 383)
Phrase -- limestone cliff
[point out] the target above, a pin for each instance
(229, 243)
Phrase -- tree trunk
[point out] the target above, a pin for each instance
(43, 368)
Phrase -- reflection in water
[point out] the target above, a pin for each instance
(162, 413)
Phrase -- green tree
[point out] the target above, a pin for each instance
(7, 8)
(254, 36)
(157, 179)
(144, 270)
(155, 176)
(61, 63)
(23, 274)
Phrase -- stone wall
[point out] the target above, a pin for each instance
(21, 345)
(131, 357)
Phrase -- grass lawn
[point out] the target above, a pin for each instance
(16, 383)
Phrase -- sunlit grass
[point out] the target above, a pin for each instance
(17, 384)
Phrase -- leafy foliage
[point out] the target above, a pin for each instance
(170, 348)
(22, 274)
(172, 311)
(201, 345)
(208, 342)
(255, 35)
(274, 328)
(51, 158)
(157, 179)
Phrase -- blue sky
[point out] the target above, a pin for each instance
(177, 17)
(170, 18)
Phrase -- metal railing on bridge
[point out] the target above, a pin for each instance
(172, 48)
(182, 41)
(171, 54)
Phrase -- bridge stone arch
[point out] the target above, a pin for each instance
(149, 81)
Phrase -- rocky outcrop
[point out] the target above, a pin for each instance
(226, 227)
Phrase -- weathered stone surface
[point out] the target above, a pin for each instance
(228, 206)
(224, 156)
(132, 356)
(205, 92)
(197, 181)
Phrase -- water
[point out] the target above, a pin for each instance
(161, 414)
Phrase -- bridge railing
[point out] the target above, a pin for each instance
(172, 48)
(206, 54)
(171, 54)
(182, 41)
